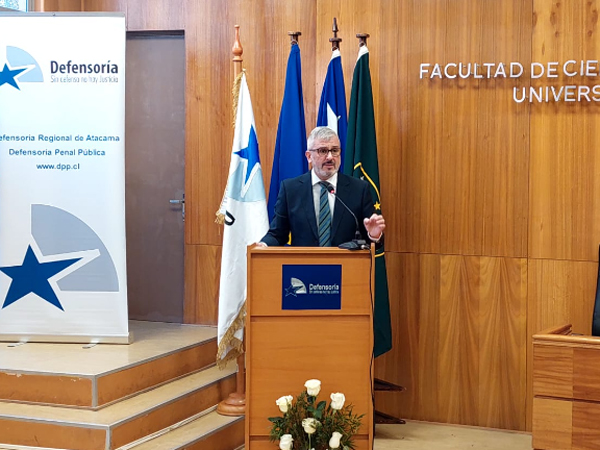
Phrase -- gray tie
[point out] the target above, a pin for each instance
(324, 219)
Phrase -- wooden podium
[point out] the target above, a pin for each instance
(566, 390)
(286, 347)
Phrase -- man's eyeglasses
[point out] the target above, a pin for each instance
(323, 151)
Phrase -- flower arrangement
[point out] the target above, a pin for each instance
(308, 425)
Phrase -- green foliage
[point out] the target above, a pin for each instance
(329, 420)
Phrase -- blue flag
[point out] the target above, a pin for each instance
(289, 160)
(332, 109)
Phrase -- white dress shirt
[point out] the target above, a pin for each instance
(317, 193)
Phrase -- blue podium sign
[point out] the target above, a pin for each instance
(311, 286)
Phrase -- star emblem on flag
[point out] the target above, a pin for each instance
(32, 276)
(250, 154)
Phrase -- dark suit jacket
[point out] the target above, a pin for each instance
(295, 212)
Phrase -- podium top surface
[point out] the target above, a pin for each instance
(305, 250)
(563, 335)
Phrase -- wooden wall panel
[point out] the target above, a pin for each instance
(503, 132)
(464, 160)
(155, 15)
(104, 5)
(461, 170)
(209, 126)
(561, 292)
(406, 320)
(202, 275)
(462, 338)
(564, 187)
(481, 175)
(503, 342)
(391, 106)
(459, 334)
(58, 5)
(419, 203)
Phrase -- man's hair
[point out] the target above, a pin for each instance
(324, 134)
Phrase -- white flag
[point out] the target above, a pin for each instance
(245, 214)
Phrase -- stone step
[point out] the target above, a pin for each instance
(209, 432)
(94, 377)
(118, 424)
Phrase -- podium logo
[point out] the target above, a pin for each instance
(20, 67)
(67, 255)
(311, 286)
(296, 287)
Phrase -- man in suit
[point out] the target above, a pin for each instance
(309, 206)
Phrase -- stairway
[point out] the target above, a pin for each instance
(158, 393)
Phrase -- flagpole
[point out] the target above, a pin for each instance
(362, 39)
(335, 40)
(294, 37)
(378, 384)
(235, 404)
(289, 158)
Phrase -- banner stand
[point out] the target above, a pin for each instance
(62, 178)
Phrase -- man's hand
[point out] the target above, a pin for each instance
(375, 226)
(261, 244)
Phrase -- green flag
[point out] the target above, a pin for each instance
(361, 162)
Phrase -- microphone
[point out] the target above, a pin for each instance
(358, 243)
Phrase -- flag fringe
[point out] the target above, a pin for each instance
(229, 340)
(235, 92)
(369, 180)
(220, 219)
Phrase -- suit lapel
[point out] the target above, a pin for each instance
(309, 203)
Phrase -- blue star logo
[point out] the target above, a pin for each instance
(8, 76)
(32, 277)
(292, 290)
(250, 153)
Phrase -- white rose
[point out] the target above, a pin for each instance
(337, 400)
(285, 443)
(334, 442)
(313, 387)
(284, 403)
(309, 425)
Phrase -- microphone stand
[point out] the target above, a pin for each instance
(358, 243)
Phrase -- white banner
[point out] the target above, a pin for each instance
(62, 178)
